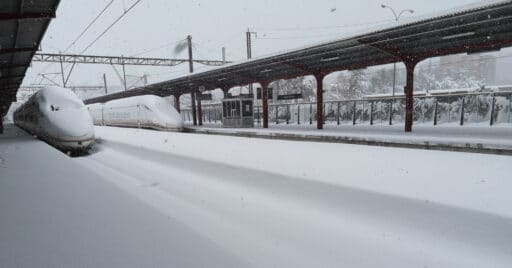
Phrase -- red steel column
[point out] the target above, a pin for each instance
(409, 95)
(319, 100)
(177, 102)
(199, 108)
(264, 100)
(194, 109)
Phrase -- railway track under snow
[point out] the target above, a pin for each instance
(272, 219)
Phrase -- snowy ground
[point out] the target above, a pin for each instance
(56, 213)
(497, 137)
(298, 204)
(156, 199)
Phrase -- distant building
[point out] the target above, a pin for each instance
(504, 70)
(483, 66)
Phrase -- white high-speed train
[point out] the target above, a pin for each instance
(57, 116)
(140, 112)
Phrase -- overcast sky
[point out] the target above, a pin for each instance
(153, 24)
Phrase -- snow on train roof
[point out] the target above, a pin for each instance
(53, 95)
(158, 105)
(145, 99)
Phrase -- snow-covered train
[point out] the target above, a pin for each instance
(57, 116)
(140, 112)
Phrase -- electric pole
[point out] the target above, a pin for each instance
(223, 56)
(105, 83)
(190, 55)
(249, 35)
(191, 70)
(124, 73)
(62, 71)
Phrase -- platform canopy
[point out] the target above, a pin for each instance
(485, 26)
(22, 26)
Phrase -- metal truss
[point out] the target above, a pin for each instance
(116, 60)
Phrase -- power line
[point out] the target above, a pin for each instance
(340, 50)
(361, 45)
(278, 31)
(230, 38)
(196, 50)
(275, 31)
(81, 34)
(157, 48)
(104, 32)
(89, 26)
(293, 29)
(184, 72)
(214, 46)
(296, 37)
(110, 26)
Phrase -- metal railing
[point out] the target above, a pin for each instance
(469, 108)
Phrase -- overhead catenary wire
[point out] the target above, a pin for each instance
(352, 47)
(157, 48)
(302, 29)
(211, 48)
(197, 51)
(110, 26)
(438, 64)
(296, 37)
(279, 29)
(361, 45)
(376, 42)
(268, 31)
(103, 33)
(227, 40)
(89, 25)
(312, 32)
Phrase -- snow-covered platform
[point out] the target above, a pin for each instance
(477, 139)
(146, 198)
(281, 203)
(56, 213)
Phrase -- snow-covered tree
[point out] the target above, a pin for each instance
(297, 85)
(349, 85)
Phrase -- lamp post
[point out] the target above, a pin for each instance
(397, 18)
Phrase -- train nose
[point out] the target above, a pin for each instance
(179, 124)
(70, 123)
